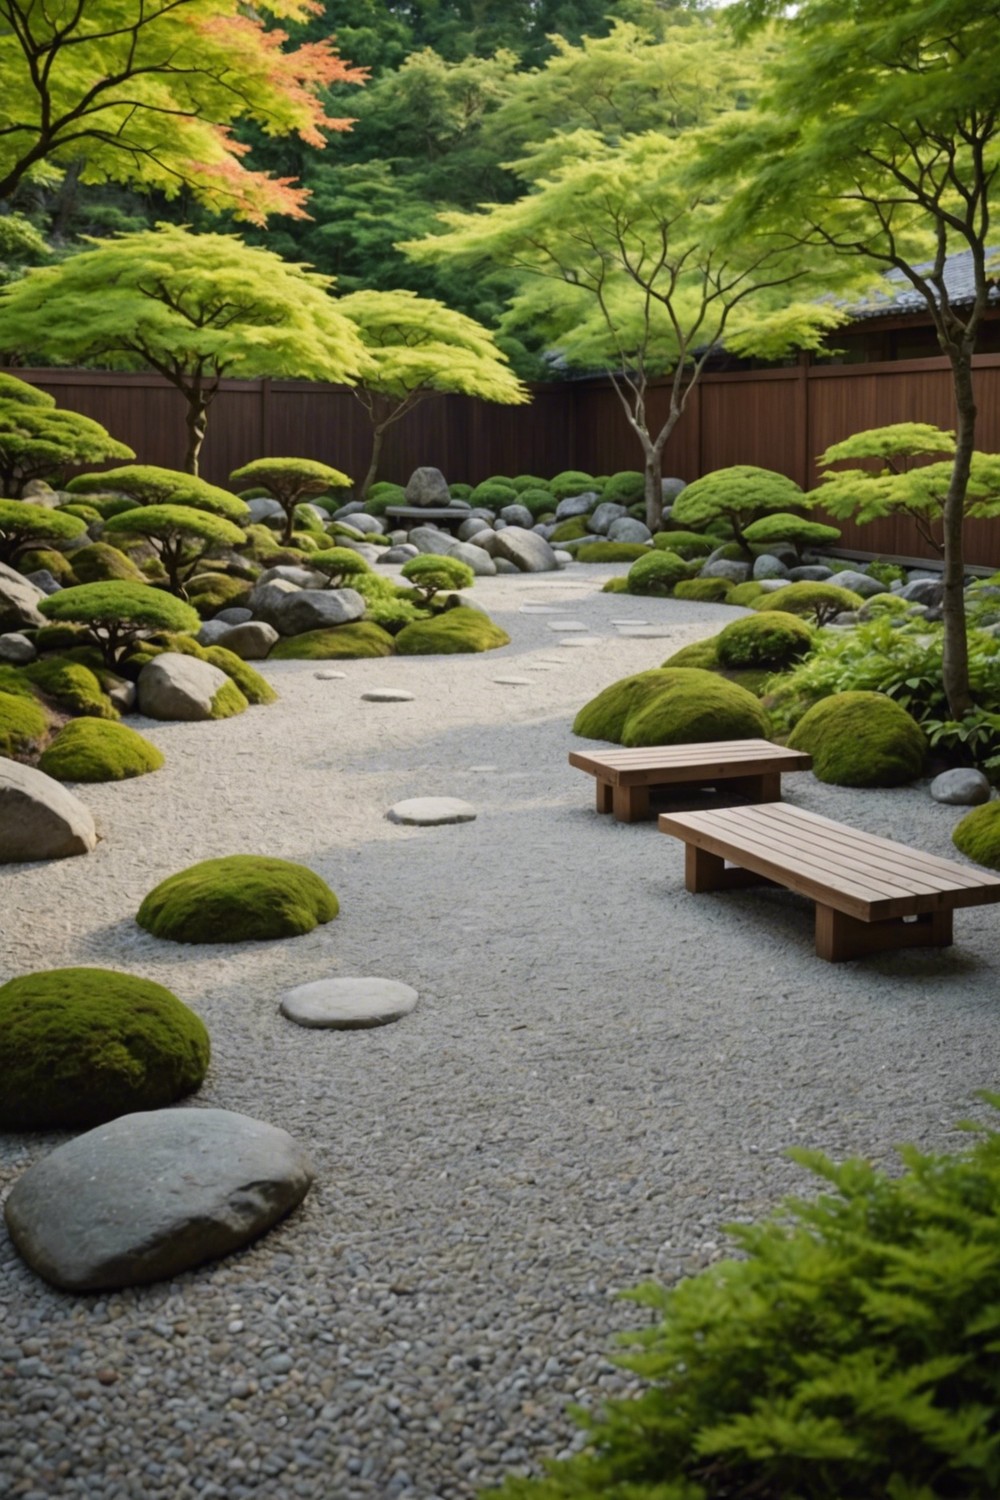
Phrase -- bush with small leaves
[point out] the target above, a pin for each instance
(494, 494)
(92, 750)
(861, 739)
(572, 482)
(85, 1045)
(56, 563)
(23, 525)
(452, 632)
(627, 487)
(181, 535)
(771, 640)
(38, 441)
(239, 898)
(737, 496)
(818, 601)
(382, 495)
(145, 484)
(432, 574)
(211, 592)
(708, 590)
(338, 564)
(745, 595)
(798, 531)
(540, 501)
(671, 706)
(524, 482)
(657, 573)
(457, 491)
(117, 615)
(684, 543)
(700, 654)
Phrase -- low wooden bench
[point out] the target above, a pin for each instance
(625, 778)
(871, 894)
(446, 516)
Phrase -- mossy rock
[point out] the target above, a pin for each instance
(819, 601)
(255, 688)
(56, 563)
(610, 552)
(454, 631)
(657, 573)
(210, 592)
(627, 487)
(684, 543)
(769, 640)
(361, 638)
(672, 706)
(616, 586)
(746, 594)
(24, 725)
(861, 739)
(93, 750)
(84, 1045)
(100, 563)
(540, 501)
(494, 494)
(978, 835)
(707, 590)
(239, 898)
(572, 530)
(71, 686)
(700, 654)
(572, 482)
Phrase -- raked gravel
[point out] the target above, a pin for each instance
(601, 1072)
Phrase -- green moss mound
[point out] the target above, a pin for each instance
(24, 725)
(84, 1045)
(572, 530)
(708, 590)
(772, 639)
(657, 573)
(450, 633)
(494, 494)
(56, 563)
(71, 686)
(819, 601)
(540, 501)
(861, 739)
(616, 586)
(228, 702)
(746, 594)
(240, 898)
(684, 543)
(460, 491)
(572, 482)
(92, 750)
(361, 638)
(627, 487)
(610, 552)
(978, 835)
(254, 688)
(210, 592)
(671, 706)
(100, 562)
(699, 654)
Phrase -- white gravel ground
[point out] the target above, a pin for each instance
(601, 1072)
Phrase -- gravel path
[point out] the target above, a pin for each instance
(601, 1072)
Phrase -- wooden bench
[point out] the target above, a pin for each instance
(446, 516)
(871, 894)
(625, 778)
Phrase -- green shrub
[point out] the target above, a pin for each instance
(709, 590)
(885, 604)
(24, 525)
(657, 573)
(746, 594)
(610, 552)
(71, 686)
(460, 491)
(571, 530)
(796, 530)
(849, 1354)
(822, 601)
(117, 614)
(253, 687)
(84, 1045)
(100, 562)
(701, 654)
(86, 513)
(978, 835)
(146, 484)
(541, 502)
(23, 726)
(771, 640)
(671, 706)
(92, 750)
(886, 573)
(338, 564)
(240, 898)
(523, 482)
(572, 482)
(684, 543)
(454, 631)
(736, 496)
(381, 496)
(432, 574)
(494, 494)
(361, 638)
(861, 739)
(615, 586)
(627, 487)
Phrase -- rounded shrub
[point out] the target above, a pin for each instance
(23, 725)
(708, 590)
(701, 654)
(573, 529)
(671, 706)
(617, 585)
(884, 604)
(610, 552)
(861, 739)
(56, 563)
(84, 1045)
(572, 482)
(657, 573)
(494, 494)
(99, 562)
(799, 531)
(460, 491)
(382, 495)
(771, 640)
(978, 835)
(819, 601)
(118, 614)
(360, 638)
(239, 898)
(450, 633)
(684, 543)
(522, 482)
(627, 487)
(746, 594)
(432, 574)
(93, 750)
(209, 593)
(540, 501)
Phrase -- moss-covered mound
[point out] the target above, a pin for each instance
(610, 552)
(454, 631)
(861, 739)
(978, 835)
(671, 706)
(572, 482)
(361, 638)
(699, 654)
(747, 594)
(240, 898)
(93, 750)
(708, 590)
(210, 592)
(773, 639)
(571, 530)
(23, 725)
(657, 573)
(817, 601)
(71, 686)
(84, 1045)
(56, 563)
(616, 585)
(684, 543)
(100, 562)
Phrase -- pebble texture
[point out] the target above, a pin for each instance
(601, 1072)
(348, 1004)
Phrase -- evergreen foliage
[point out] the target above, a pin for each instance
(339, 564)
(182, 536)
(24, 525)
(431, 574)
(145, 484)
(239, 898)
(289, 481)
(70, 686)
(821, 601)
(709, 590)
(772, 640)
(100, 562)
(738, 495)
(799, 531)
(116, 615)
(38, 441)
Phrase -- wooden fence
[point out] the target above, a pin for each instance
(779, 419)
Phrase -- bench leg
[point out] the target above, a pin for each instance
(631, 803)
(709, 872)
(605, 803)
(764, 787)
(840, 937)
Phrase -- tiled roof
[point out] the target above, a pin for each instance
(901, 297)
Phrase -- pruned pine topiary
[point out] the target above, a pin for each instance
(145, 484)
(798, 531)
(181, 535)
(92, 750)
(432, 574)
(84, 1045)
(657, 573)
(818, 601)
(39, 441)
(978, 835)
(117, 615)
(338, 564)
(771, 639)
(861, 739)
(671, 706)
(24, 725)
(23, 525)
(239, 898)
(360, 638)
(849, 1352)
(737, 496)
(289, 481)
(452, 632)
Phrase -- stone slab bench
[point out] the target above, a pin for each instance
(871, 894)
(441, 515)
(625, 778)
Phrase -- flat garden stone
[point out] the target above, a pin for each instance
(646, 632)
(150, 1195)
(570, 625)
(961, 787)
(427, 812)
(348, 1004)
(387, 695)
(581, 640)
(513, 681)
(39, 818)
(540, 609)
(328, 675)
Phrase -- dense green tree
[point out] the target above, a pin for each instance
(289, 481)
(145, 484)
(182, 537)
(23, 525)
(38, 441)
(195, 308)
(117, 615)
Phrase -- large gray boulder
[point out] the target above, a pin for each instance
(39, 818)
(605, 513)
(172, 686)
(370, 525)
(427, 486)
(477, 558)
(670, 489)
(577, 505)
(929, 591)
(262, 510)
(18, 600)
(430, 539)
(517, 515)
(251, 641)
(472, 527)
(267, 598)
(148, 1196)
(769, 566)
(728, 568)
(628, 529)
(302, 578)
(528, 552)
(859, 583)
(961, 787)
(317, 609)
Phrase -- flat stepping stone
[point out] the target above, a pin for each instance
(544, 666)
(328, 676)
(427, 812)
(348, 1004)
(648, 632)
(482, 768)
(630, 622)
(567, 625)
(581, 640)
(540, 609)
(513, 681)
(387, 695)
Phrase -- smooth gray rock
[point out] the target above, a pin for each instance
(317, 609)
(302, 578)
(349, 508)
(427, 486)
(346, 1004)
(234, 616)
(577, 505)
(211, 632)
(39, 818)
(251, 641)
(428, 812)
(370, 525)
(262, 510)
(430, 539)
(810, 573)
(471, 528)
(398, 554)
(961, 787)
(605, 513)
(387, 695)
(18, 601)
(724, 567)
(504, 565)
(563, 559)
(150, 1195)
(628, 529)
(482, 513)
(929, 591)
(517, 515)
(122, 693)
(771, 585)
(172, 686)
(670, 489)
(529, 553)
(477, 558)
(328, 675)
(17, 649)
(859, 583)
(769, 566)
(267, 599)
(44, 580)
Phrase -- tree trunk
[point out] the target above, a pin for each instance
(955, 666)
(197, 425)
(378, 437)
(654, 485)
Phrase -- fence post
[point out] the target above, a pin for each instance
(265, 418)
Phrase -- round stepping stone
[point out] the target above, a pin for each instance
(387, 695)
(567, 625)
(348, 1004)
(427, 812)
(328, 676)
(513, 681)
(581, 640)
